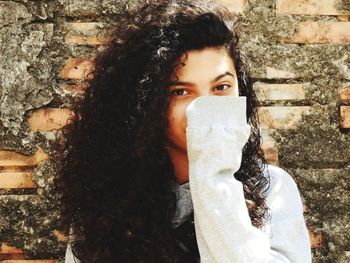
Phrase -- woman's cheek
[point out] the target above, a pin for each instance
(178, 117)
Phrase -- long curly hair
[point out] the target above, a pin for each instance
(116, 176)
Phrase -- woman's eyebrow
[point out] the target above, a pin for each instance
(185, 83)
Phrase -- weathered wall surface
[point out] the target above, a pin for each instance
(299, 54)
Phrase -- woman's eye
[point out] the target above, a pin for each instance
(178, 92)
(228, 86)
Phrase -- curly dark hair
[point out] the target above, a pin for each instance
(116, 176)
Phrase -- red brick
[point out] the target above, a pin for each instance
(311, 32)
(75, 88)
(308, 7)
(269, 146)
(234, 6)
(273, 73)
(85, 40)
(282, 117)
(12, 180)
(266, 91)
(88, 33)
(344, 93)
(17, 256)
(48, 119)
(86, 28)
(316, 239)
(6, 249)
(14, 159)
(270, 152)
(9, 252)
(344, 18)
(60, 236)
(77, 68)
(345, 116)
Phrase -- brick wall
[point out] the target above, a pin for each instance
(298, 50)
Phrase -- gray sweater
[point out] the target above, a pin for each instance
(223, 227)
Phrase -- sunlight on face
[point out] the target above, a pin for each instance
(207, 72)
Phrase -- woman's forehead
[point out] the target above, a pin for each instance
(205, 63)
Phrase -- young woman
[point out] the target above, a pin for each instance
(146, 178)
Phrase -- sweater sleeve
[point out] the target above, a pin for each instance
(288, 232)
(223, 227)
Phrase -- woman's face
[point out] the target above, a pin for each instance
(207, 72)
